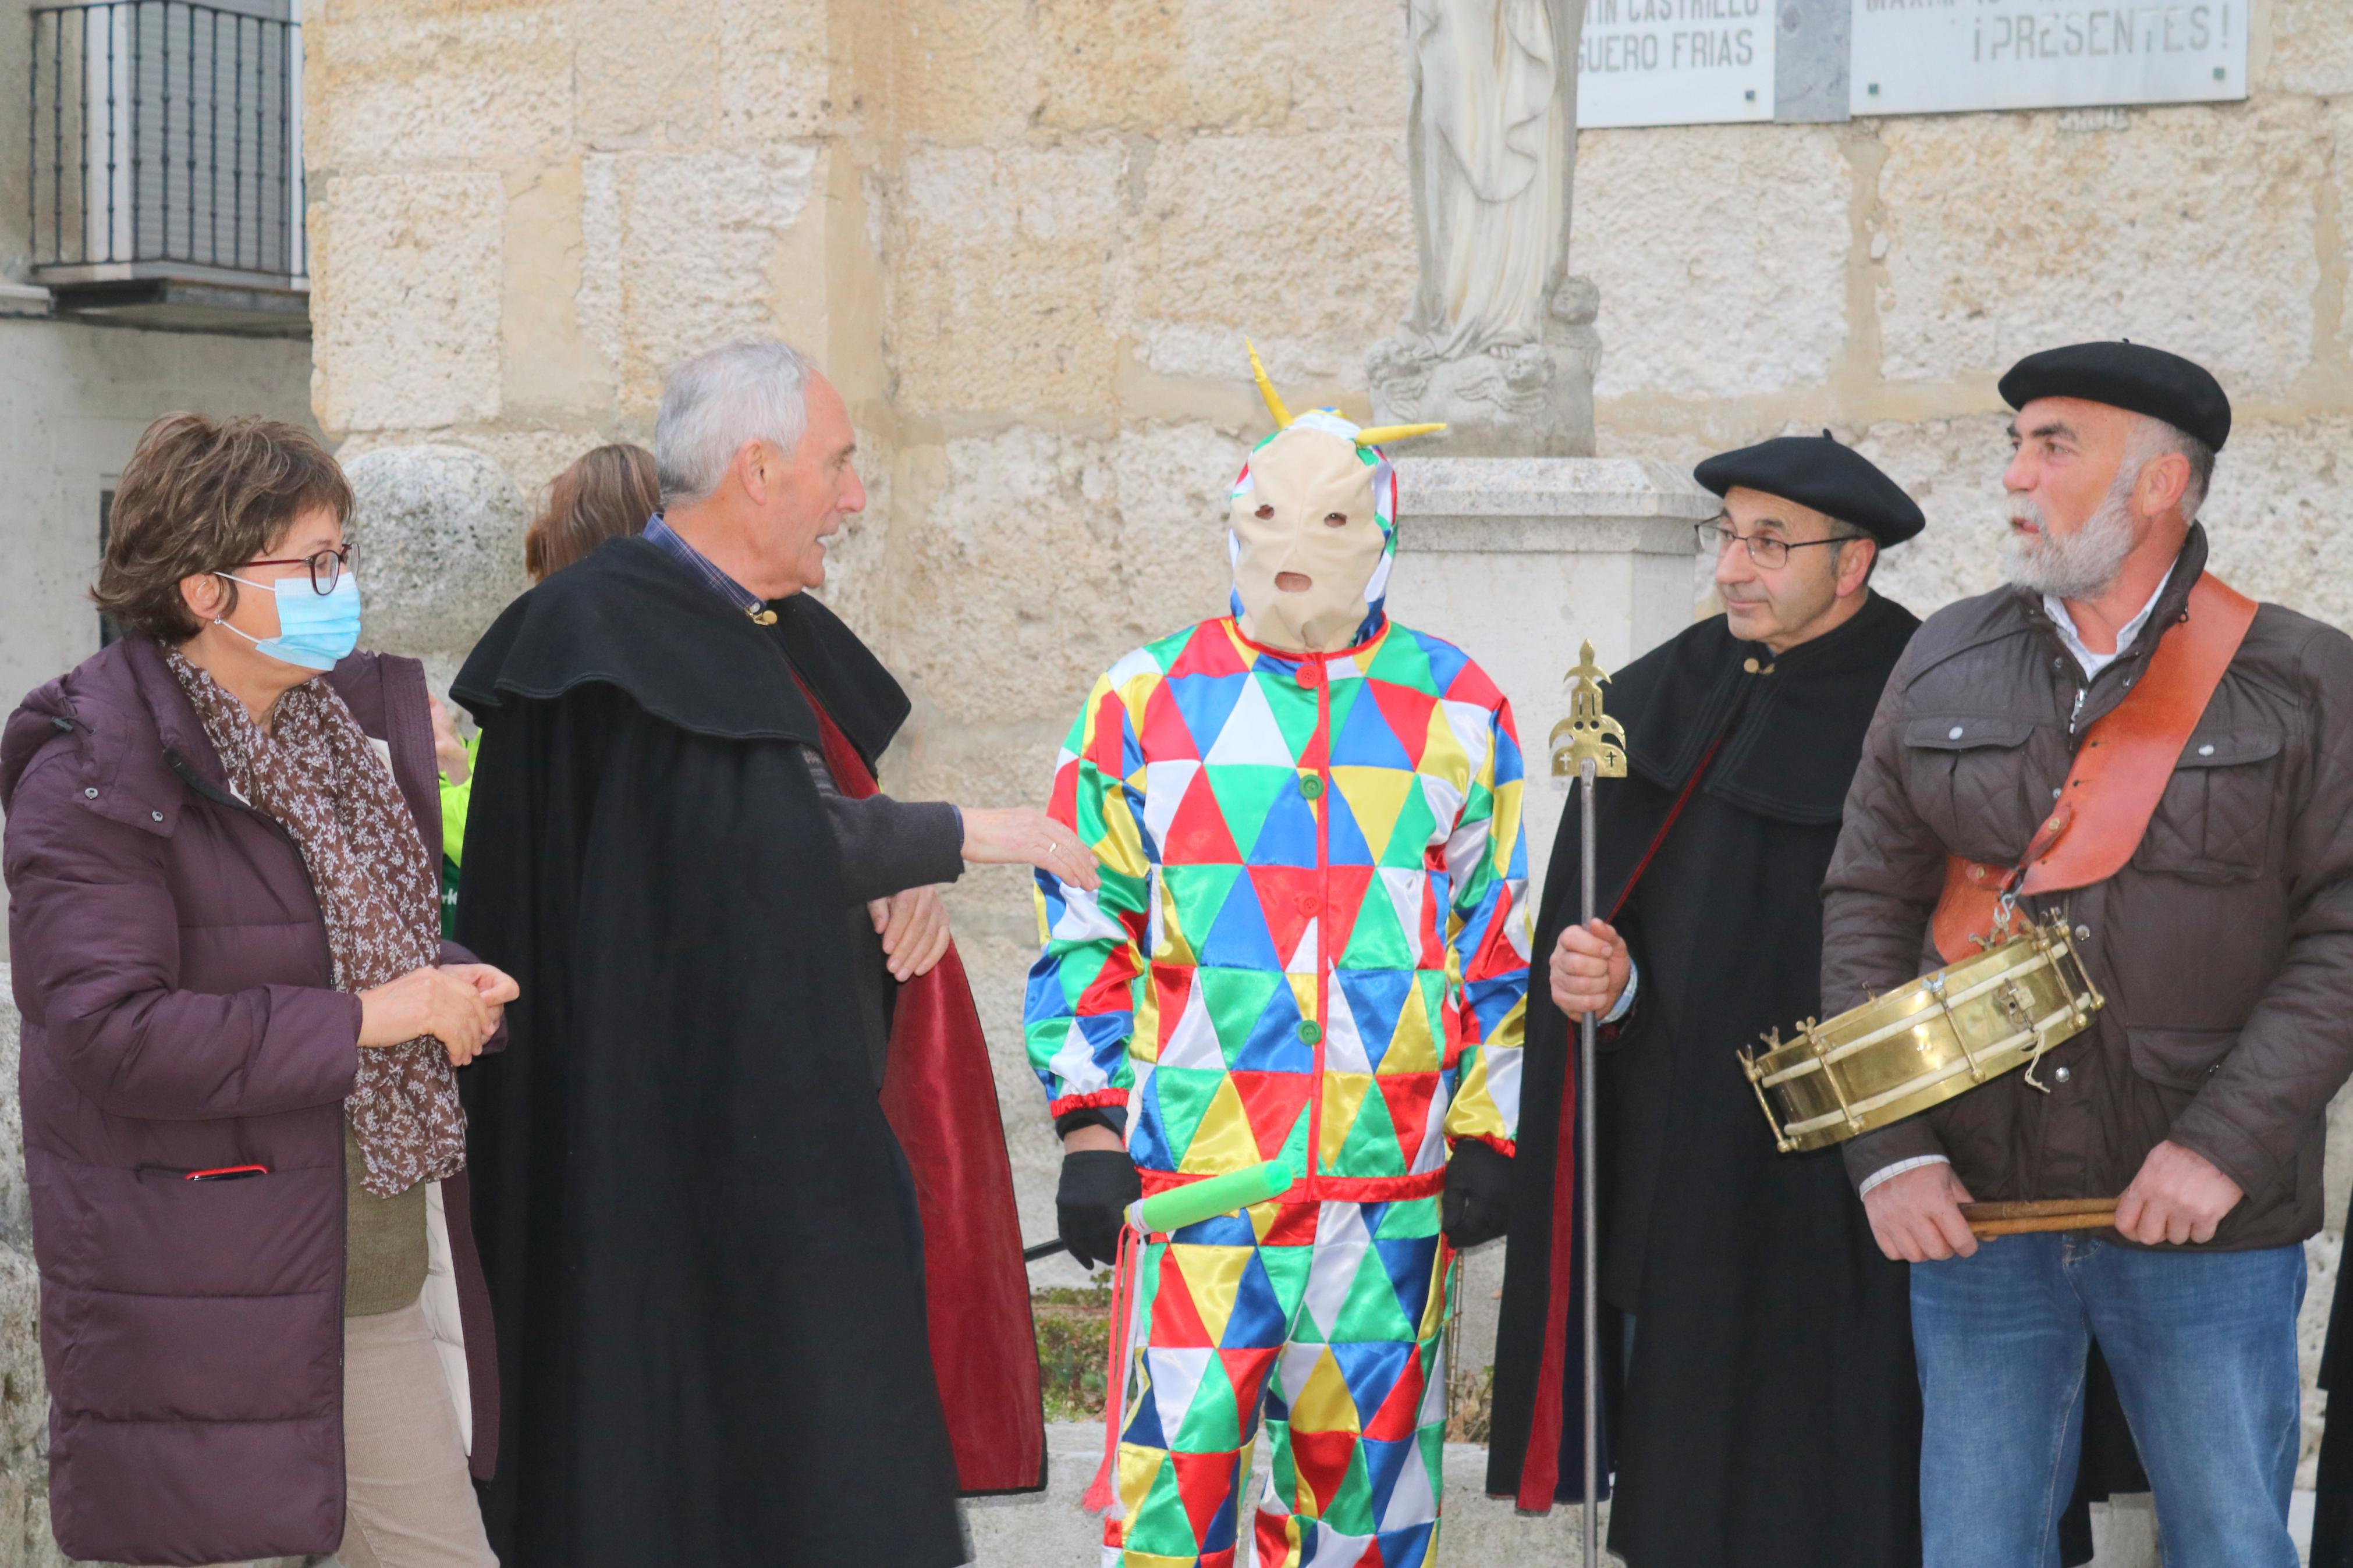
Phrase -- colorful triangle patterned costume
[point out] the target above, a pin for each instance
(1310, 944)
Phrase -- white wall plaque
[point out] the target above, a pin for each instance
(1928, 56)
(1676, 62)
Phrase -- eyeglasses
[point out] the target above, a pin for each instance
(1763, 549)
(327, 567)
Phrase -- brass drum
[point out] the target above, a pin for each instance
(1941, 1036)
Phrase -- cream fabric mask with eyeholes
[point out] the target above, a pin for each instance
(1317, 500)
(1307, 510)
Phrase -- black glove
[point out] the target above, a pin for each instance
(1478, 1203)
(1091, 1205)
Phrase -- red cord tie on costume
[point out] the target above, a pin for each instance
(1102, 1494)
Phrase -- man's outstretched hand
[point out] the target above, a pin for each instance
(1915, 1216)
(1024, 836)
(2178, 1197)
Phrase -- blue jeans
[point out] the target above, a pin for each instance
(2203, 1347)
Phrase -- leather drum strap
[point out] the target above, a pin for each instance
(2121, 771)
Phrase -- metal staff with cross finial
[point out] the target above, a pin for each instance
(1585, 746)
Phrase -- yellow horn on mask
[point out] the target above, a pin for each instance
(1266, 389)
(1380, 433)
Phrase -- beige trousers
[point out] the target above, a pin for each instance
(410, 1501)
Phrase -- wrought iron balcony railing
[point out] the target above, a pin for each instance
(166, 161)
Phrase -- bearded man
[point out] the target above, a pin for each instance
(1762, 1334)
(2221, 939)
(1309, 946)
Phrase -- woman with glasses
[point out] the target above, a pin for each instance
(241, 1032)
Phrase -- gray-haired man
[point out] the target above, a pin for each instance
(703, 1243)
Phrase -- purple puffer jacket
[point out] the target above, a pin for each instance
(171, 967)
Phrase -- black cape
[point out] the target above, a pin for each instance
(698, 1231)
(2332, 1513)
(1769, 1414)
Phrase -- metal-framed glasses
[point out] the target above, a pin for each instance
(1717, 539)
(327, 567)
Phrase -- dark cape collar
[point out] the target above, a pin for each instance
(1791, 726)
(631, 618)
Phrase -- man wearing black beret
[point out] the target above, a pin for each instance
(1768, 1413)
(2171, 766)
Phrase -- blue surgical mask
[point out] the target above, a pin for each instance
(316, 630)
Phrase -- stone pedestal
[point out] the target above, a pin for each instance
(1530, 399)
(1519, 559)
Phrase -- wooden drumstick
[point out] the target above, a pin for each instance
(1990, 1220)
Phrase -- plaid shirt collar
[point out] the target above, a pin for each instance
(661, 535)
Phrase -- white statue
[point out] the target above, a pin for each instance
(1492, 127)
(1497, 341)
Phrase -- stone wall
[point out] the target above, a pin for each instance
(1026, 237)
(1876, 278)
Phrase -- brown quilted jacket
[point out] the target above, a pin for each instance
(2224, 947)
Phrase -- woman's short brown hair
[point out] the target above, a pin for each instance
(607, 494)
(204, 495)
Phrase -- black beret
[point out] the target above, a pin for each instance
(2126, 375)
(1817, 472)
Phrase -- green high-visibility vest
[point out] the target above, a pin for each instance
(455, 798)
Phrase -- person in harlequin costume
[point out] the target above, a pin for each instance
(1310, 944)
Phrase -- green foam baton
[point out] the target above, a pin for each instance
(1196, 1200)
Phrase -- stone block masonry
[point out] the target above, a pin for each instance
(1876, 278)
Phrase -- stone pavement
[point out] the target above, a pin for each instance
(1481, 1531)
(1052, 1531)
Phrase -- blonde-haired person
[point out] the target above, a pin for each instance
(609, 493)
(240, 1031)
